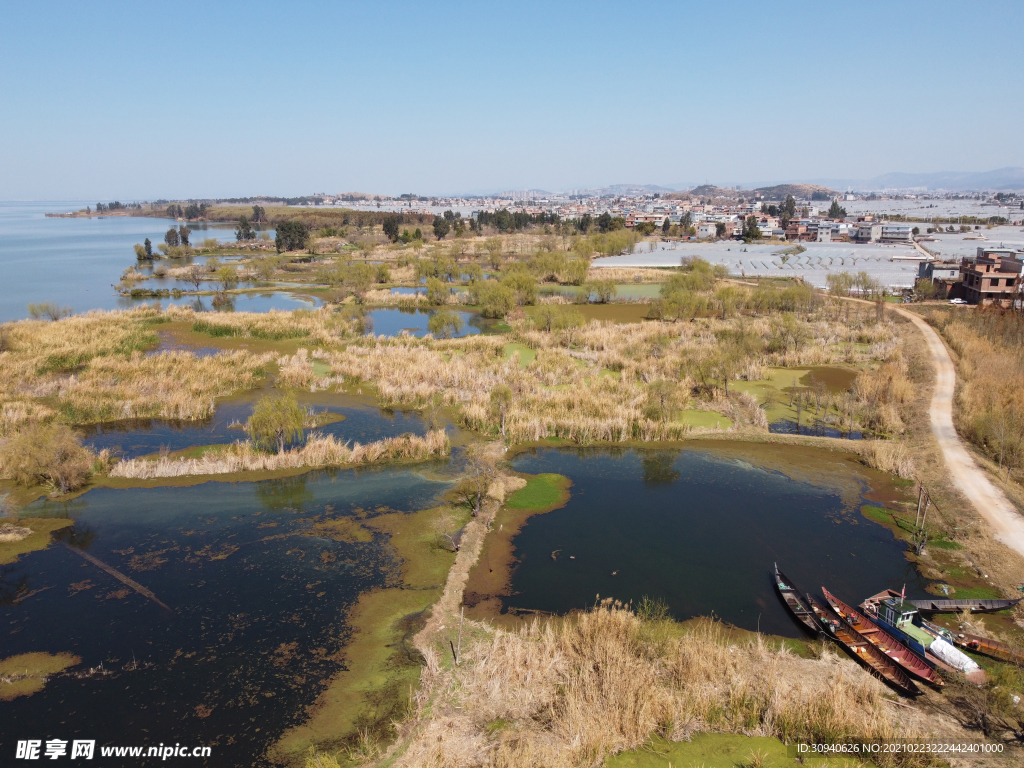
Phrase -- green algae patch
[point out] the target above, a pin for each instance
(541, 492)
(15, 543)
(26, 673)
(719, 750)
(705, 419)
(381, 664)
(526, 354)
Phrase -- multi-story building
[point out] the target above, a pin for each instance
(993, 277)
(868, 232)
(897, 233)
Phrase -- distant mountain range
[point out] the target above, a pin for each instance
(1001, 179)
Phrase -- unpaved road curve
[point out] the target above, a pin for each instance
(991, 503)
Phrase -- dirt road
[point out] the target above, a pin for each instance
(1006, 522)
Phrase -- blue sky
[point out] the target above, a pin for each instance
(144, 100)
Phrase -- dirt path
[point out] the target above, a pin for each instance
(991, 503)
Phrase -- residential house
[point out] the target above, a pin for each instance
(993, 277)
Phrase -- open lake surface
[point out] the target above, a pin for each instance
(257, 603)
(700, 529)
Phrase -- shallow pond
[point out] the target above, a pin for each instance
(362, 423)
(264, 301)
(392, 321)
(257, 597)
(700, 528)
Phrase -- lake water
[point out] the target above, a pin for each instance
(74, 262)
(139, 437)
(256, 619)
(699, 529)
(392, 322)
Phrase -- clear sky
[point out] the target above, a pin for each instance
(138, 100)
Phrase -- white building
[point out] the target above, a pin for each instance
(897, 233)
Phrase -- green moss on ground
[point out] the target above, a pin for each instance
(710, 419)
(540, 492)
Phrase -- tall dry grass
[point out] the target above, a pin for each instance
(568, 693)
(989, 412)
(318, 451)
(597, 388)
(92, 367)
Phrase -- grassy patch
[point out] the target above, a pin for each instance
(877, 514)
(716, 750)
(40, 537)
(710, 419)
(540, 492)
(977, 593)
(28, 672)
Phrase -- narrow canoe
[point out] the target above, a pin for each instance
(956, 606)
(884, 642)
(861, 649)
(796, 604)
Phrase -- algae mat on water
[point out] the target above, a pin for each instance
(26, 673)
(719, 750)
(382, 665)
(40, 538)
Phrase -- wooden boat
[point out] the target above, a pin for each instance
(956, 606)
(796, 603)
(987, 646)
(884, 642)
(858, 647)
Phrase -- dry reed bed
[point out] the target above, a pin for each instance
(91, 367)
(569, 693)
(568, 392)
(989, 399)
(318, 451)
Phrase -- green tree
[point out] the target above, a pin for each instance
(751, 231)
(140, 252)
(291, 236)
(437, 292)
(227, 276)
(835, 212)
(603, 291)
(788, 210)
(183, 233)
(495, 299)
(243, 231)
(276, 422)
(259, 215)
(522, 284)
(666, 225)
(149, 248)
(441, 227)
(171, 238)
(391, 227)
(445, 324)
